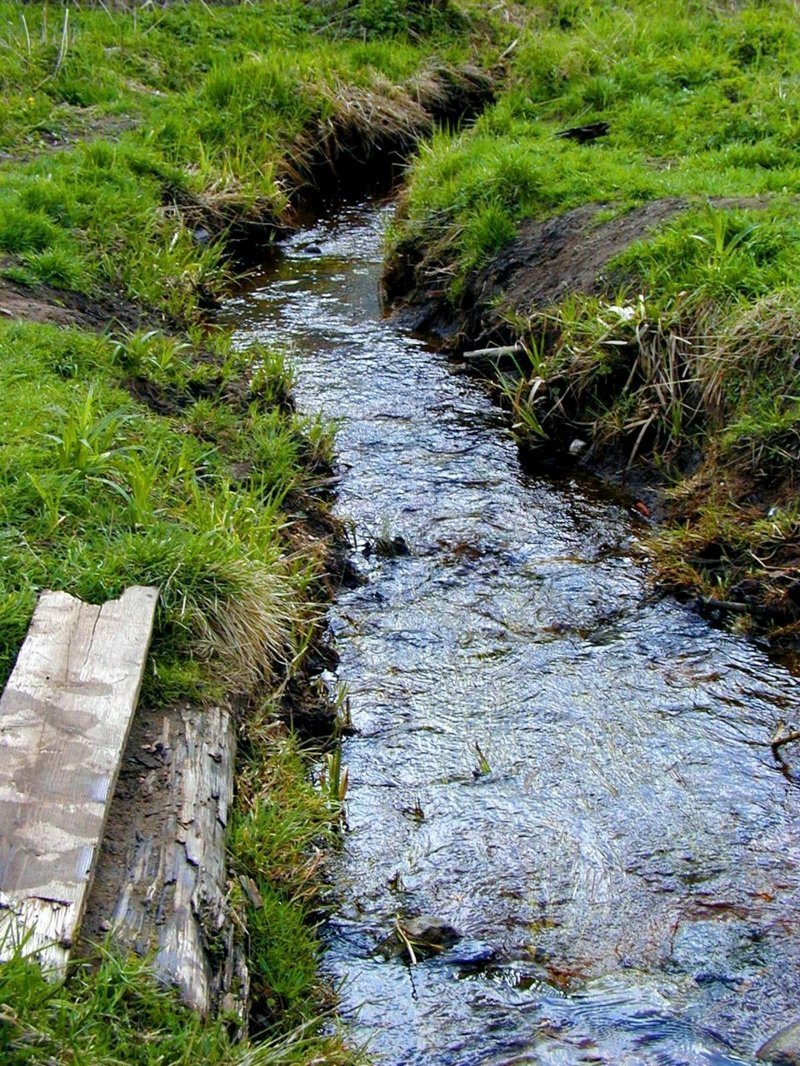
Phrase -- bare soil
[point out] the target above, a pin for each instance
(69, 126)
(545, 262)
(58, 307)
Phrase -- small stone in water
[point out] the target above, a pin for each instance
(783, 1048)
(387, 547)
(426, 934)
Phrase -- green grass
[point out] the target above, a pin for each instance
(698, 102)
(277, 839)
(98, 492)
(113, 1013)
(178, 117)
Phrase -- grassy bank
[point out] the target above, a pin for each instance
(664, 140)
(144, 152)
(136, 136)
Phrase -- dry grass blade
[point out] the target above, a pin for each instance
(246, 627)
(361, 122)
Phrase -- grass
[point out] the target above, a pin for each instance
(99, 492)
(115, 1014)
(210, 112)
(278, 838)
(696, 99)
(143, 152)
(684, 363)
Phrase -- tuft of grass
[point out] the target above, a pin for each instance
(277, 840)
(371, 19)
(69, 1024)
(111, 1011)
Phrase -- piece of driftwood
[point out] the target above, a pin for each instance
(735, 607)
(493, 355)
(161, 886)
(65, 716)
(780, 739)
(729, 606)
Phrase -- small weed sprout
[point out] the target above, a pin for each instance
(53, 491)
(141, 480)
(405, 939)
(89, 445)
(484, 767)
(334, 780)
(342, 709)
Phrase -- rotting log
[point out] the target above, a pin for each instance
(65, 716)
(161, 886)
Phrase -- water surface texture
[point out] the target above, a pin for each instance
(625, 875)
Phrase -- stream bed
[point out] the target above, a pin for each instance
(619, 854)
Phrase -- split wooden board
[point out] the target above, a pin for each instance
(65, 716)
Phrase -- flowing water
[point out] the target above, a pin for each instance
(622, 865)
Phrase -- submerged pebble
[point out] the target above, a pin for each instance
(783, 1048)
(418, 938)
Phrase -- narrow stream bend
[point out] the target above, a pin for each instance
(624, 878)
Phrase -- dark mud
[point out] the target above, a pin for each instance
(59, 307)
(573, 778)
(548, 260)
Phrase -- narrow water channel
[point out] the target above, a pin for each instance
(622, 868)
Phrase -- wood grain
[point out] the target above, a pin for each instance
(161, 888)
(65, 716)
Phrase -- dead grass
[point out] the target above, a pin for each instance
(246, 632)
(381, 124)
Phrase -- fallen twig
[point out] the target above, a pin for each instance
(727, 605)
(784, 738)
(493, 354)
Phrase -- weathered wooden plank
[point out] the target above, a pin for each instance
(65, 716)
(161, 886)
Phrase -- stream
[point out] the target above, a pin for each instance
(619, 854)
